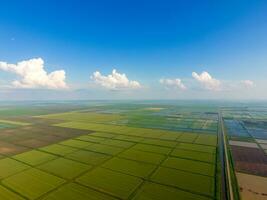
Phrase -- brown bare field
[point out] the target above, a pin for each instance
(31, 143)
(252, 187)
(35, 120)
(21, 139)
(8, 149)
(250, 160)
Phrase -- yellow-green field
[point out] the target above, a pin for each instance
(107, 161)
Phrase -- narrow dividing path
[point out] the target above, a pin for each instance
(226, 184)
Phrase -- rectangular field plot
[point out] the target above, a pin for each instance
(76, 143)
(58, 149)
(190, 166)
(184, 180)
(9, 149)
(142, 156)
(32, 183)
(31, 143)
(158, 142)
(206, 139)
(147, 133)
(105, 149)
(152, 148)
(250, 160)
(243, 144)
(261, 141)
(111, 182)
(197, 147)
(136, 133)
(103, 135)
(249, 183)
(74, 191)
(34, 157)
(9, 167)
(263, 146)
(90, 138)
(118, 143)
(187, 137)
(130, 167)
(64, 168)
(129, 138)
(158, 192)
(170, 136)
(194, 155)
(6, 194)
(88, 157)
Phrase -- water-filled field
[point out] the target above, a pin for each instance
(247, 133)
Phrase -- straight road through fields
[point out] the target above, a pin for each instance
(226, 184)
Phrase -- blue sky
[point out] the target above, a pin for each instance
(149, 41)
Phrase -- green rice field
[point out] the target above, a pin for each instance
(88, 153)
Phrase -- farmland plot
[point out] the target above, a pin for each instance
(32, 183)
(93, 154)
(114, 183)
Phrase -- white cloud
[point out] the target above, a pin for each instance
(207, 81)
(33, 75)
(114, 81)
(248, 83)
(173, 83)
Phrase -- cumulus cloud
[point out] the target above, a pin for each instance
(207, 81)
(114, 81)
(248, 83)
(173, 83)
(33, 75)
